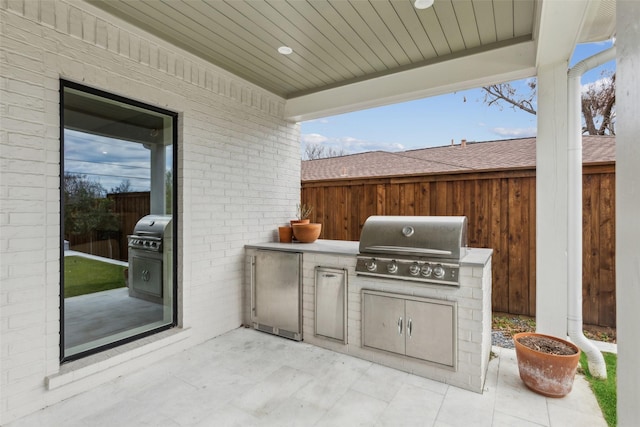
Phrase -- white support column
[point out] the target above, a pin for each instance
(628, 211)
(158, 166)
(551, 200)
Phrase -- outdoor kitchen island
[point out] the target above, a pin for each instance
(456, 318)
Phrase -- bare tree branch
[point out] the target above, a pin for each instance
(598, 102)
(507, 93)
(319, 151)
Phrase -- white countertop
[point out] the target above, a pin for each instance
(475, 256)
(334, 247)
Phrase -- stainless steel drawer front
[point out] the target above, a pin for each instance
(331, 303)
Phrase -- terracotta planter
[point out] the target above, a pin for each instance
(548, 374)
(285, 234)
(307, 233)
(300, 221)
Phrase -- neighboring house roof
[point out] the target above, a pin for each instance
(465, 157)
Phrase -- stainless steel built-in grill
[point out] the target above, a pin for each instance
(421, 248)
(149, 257)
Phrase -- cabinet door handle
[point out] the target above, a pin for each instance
(329, 276)
(253, 287)
(400, 325)
(409, 327)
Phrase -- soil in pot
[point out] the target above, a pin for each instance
(547, 364)
(547, 345)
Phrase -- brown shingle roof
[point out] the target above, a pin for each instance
(501, 154)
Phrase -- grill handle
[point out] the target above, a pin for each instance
(403, 249)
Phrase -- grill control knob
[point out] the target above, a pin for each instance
(414, 269)
(371, 265)
(426, 270)
(438, 272)
(392, 267)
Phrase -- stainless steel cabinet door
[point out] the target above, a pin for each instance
(429, 331)
(330, 310)
(276, 290)
(383, 323)
(146, 276)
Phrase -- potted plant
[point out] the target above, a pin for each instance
(306, 233)
(285, 234)
(547, 364)
(303, 212)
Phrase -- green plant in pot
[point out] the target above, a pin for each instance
(303, 211)
(303, 230)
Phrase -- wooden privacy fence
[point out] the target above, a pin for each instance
(501, 211)
(129, 208)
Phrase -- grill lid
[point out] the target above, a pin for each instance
(425, 236)
(152, 225)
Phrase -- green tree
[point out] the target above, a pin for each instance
(86, 209)
(123, 187)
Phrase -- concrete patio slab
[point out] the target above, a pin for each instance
(249, 378)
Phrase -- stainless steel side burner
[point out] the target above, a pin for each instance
(426, 249)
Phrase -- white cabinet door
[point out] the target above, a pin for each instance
(383, 322)
(430, 334)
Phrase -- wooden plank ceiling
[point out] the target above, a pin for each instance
(334, 42)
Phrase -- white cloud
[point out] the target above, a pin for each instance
(601, 82)
(313, 138)
(348, 144)
(106, 160)
(515, 132)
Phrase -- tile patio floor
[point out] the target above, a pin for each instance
(249, 378)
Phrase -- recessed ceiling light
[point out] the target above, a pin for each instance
(285, 50)
(423, 4)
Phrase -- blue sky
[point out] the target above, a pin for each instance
(434, 121)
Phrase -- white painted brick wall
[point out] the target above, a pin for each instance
(239, 177)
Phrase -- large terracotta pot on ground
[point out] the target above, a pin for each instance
(548, 374)
(307, 233)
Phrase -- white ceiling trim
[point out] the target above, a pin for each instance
(498, 65)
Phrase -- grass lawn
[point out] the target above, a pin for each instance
(86, 276)
(604, 390)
